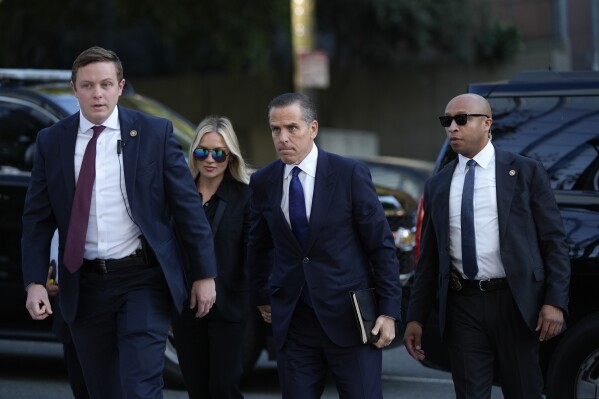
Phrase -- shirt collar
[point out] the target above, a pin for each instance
(483, 158)
(112, 122)
(308, 165)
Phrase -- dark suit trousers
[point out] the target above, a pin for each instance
(308, 357)
(209, 351)
(71, 359)
(486, 332)
(120, 332)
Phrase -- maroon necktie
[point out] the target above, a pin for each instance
(75, 244)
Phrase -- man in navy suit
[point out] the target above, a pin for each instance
(301, 283)
(499, 297)
(117, 299)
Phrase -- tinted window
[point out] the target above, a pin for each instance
(19, 125)
(182, 129)
(561, 132)
(408, 180)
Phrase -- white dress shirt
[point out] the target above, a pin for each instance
(307, 177)
(486, 225)
(111, 234)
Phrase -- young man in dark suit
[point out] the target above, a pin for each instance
(494, 253)
(318, 231)
(119, 263)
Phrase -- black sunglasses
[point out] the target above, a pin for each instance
(219, 155)
(460, 119)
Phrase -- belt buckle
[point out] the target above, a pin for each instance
(480, 284)
(102, 266)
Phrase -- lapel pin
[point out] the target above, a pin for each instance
(512, 172)
(133, 133)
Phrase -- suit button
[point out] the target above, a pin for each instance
(306, 260)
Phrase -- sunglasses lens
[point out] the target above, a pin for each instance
(200, 153)
(445, 120)
(461, 119)
(217, 154)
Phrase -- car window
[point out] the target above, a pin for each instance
(182, 129)
(558, 131)
(398, 178)
(19, 125)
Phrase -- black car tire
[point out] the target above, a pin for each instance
(574, 368)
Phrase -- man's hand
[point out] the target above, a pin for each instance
(385, 328)
(265, 313)
(203, 294)
(412, 340)
(550, 322)
(38, 303)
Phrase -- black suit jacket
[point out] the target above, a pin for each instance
(230, 228)
(531, 237)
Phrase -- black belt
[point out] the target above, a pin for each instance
(457, 283)
(103, 266)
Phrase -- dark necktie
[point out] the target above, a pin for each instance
(299, 220)
(75, 243)
(468, 237)
(297, 208)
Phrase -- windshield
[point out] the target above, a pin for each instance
(559, 131)
(183, 129)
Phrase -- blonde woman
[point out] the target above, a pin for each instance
(209, 348)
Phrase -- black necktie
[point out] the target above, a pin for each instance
(75, 242)
(297, 208)
(468, 234)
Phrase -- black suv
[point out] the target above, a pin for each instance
(554, 117)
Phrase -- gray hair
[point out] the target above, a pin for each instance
(309, 113)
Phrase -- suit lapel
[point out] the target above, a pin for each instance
(324, 187)
(506, 176)
(67, 154)
(275, 180)
(130, 137)
(443, 187)
(223, 195)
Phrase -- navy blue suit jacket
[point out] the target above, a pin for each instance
(531, 238)
(350, 246)
(159, 186)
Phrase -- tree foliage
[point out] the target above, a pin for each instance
(156, 36)
(396, 32)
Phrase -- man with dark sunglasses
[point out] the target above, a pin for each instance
(494, 255)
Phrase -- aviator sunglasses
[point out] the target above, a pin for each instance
(460, 119)
(219, 155)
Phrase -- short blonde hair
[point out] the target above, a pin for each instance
(223, 126)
